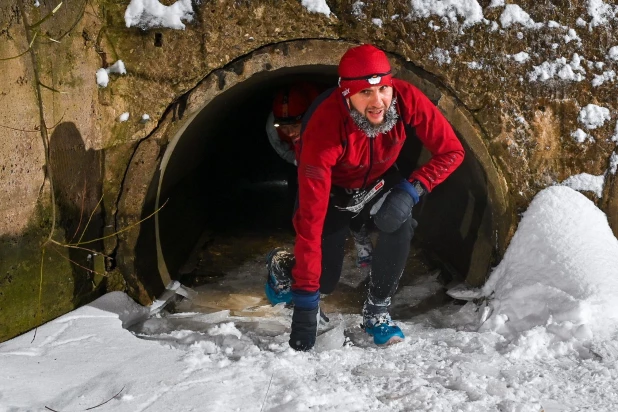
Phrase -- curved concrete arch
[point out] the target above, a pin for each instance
(322, 56)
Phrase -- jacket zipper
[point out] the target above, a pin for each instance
(370, 162)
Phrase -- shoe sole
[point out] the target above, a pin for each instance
(392, 341)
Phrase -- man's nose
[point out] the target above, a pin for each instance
(375, 100)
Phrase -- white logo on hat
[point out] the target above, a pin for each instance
(345, 92)
(374, 79)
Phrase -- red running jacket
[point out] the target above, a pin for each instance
(335, 151)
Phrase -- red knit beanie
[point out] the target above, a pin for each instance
(291, 103)
(362, 67)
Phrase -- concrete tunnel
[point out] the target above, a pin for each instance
(224, 188)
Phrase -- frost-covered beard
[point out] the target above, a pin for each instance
(372, 130)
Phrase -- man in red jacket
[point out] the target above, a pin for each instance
(347, 169)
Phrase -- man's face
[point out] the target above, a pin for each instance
(292, 131)
(373, 102)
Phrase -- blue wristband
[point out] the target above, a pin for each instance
(305, 300)
(410, 189)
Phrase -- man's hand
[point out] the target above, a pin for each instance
(397, 206)
(304, 319)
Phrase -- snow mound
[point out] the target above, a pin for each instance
(558, 281)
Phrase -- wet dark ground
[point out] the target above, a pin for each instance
(227, 266)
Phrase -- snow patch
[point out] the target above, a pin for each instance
(613, 53)
(102, 77)
(593, 116)
(607, 76)
(600, 12)
(316, 6)
(469, 10)
(377, 22)
(520, 57)
(586, 182)
(559, 275)
(613, 163)
(441, 56)
(560, 68)
(123, 117)
(147, 14)
(225, 329)
(580, 136)
(615, 136)
(513, 14)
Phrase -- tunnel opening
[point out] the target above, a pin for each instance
(227, 201)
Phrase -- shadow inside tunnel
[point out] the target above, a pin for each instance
(76, 174)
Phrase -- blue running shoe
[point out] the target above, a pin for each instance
(279, 263)
(377, 322)
(383, 330)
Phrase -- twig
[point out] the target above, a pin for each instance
(55, 242)
(89, 219)
(54, 126)
(19, 130)
(52, 89)
(92, 407)
(81, 212)
(38, 23)
(21, 54)
(120, 231)
(77, 264)
(38, 308)
(267, 390)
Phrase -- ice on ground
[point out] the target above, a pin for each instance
(586, 182)
(593, 116)
(558, 281)
(613, 53)
(147, 14)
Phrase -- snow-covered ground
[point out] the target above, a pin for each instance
(547, 343)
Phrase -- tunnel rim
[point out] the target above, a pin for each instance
(281, 56)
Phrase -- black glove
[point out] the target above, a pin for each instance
(304, 320)
(397, 206)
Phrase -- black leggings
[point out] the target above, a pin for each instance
(389, 255)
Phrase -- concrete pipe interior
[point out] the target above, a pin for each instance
(228, 202)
